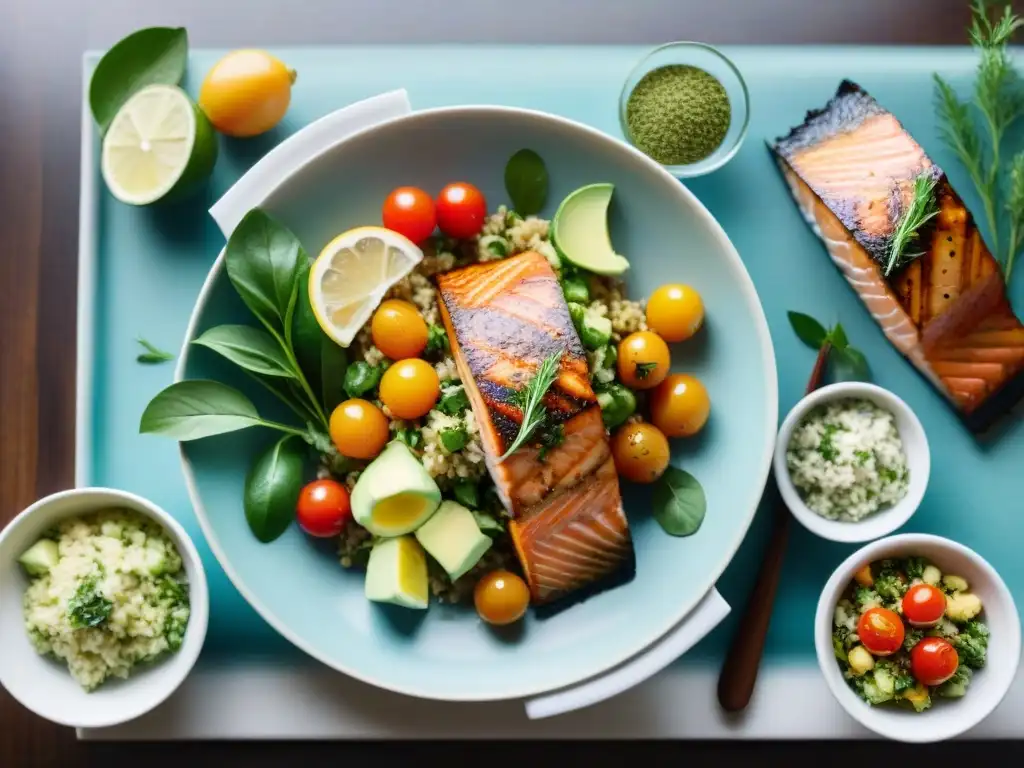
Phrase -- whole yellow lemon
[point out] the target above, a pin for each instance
(246, 93)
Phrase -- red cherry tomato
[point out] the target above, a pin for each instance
(880, 631)
(461, 210)
(923, 605)
(323, 508)
(933, 661)
(410, 212)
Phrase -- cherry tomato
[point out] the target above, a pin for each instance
(410, 211)
(923, 605)
(675, 312)
(643, 360)
(398, 330)
(323, 508)
(359, 429)
(640, 452)
(880, 631)
(409, 388)
(501, 597)
(680, 406)
(461, 210)
(933, 661)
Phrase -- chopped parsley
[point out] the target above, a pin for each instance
(87, 607)
(826, 447)
(643, 370)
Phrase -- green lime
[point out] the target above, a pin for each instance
(159, 143)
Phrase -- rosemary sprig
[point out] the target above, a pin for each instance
(913, 216)
(153, 354)
(530, 399)
(1015, 209)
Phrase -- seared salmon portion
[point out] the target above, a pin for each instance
(851, 168)
(503, 319)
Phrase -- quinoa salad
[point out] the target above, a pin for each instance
(107, 593)
(847, 460)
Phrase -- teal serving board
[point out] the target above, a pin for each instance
(149, 265)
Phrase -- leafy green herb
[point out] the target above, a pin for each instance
(643, 370)
(679, 502)
(454, 400)
(808, 330)
(437, 340)
(87, 607)
(910, 223)
(250, 348)
(826, 447)
(863, 457)
(550, 436)
(333, 367)
(467, 493)
(814, 335)
(454, 439)
(1015, 211)
(272, 489)
(999, 101)
(530, 400)
(156, 55)
(361, 378)
(487, 523)
(526, 181)
(190, 410)
(153, 354)
(410, 436)
(497, 245)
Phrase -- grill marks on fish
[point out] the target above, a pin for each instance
(503, 319)
(851, 167)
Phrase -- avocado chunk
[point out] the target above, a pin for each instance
(394, 495)
(38, 559)
(580, 231)
(397, 573)
(453, 538)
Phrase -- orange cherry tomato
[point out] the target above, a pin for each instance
(359, 429)
(409, 388)
(680, 405)
(675, 312)
(933, 661)
(880, 631)
(643, 360)
(410, 211)
(399, 330)
(461, 210)
(640, 451)
(323, 508)
(923, 605)
(501, 598)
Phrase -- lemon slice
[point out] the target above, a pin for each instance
(351, 275)
(158, 142)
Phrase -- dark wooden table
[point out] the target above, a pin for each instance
(41, 44)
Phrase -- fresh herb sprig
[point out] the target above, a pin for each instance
(530, 399)
(153, 353)
(999, 101)
(922, 208)
(828, 341)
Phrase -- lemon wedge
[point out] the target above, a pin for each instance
(351, 275)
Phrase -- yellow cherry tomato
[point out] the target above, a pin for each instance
(359, 429)
(246, 93)
(643, 360)
(501, 597)
(409, 388)
(398, 330)
(680, 405)
(675, 312)
(640, 451)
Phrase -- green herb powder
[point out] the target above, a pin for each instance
(678, 114)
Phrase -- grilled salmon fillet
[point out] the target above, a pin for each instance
(503, 319)
(851, 168)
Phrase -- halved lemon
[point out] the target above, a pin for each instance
(351, 275)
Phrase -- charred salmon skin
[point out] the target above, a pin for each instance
(503, 319)
(851, 167)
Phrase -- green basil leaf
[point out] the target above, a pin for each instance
(272, 489)
(333, 367)
(808, 330)
(437, 340)
(467, 493)
(454, 439)
(250, 348)
(487, 523)
(361, 378)
(153, 353)
(264, 262)
(856, 361)
(306, 333)
(837, 338)
(189, 410)
(679, 502)
(156, 55)
(454, 400)
(526, 181)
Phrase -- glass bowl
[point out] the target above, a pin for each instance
(714, 62)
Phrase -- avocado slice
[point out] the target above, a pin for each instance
(394, 495)
(397, 573)
(38, 559)
(453, 538)
(580, 231)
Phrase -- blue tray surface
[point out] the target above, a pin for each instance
(152, 262)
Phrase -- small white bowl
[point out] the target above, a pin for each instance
(947, 717)
(915, 445)
(43, 684)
